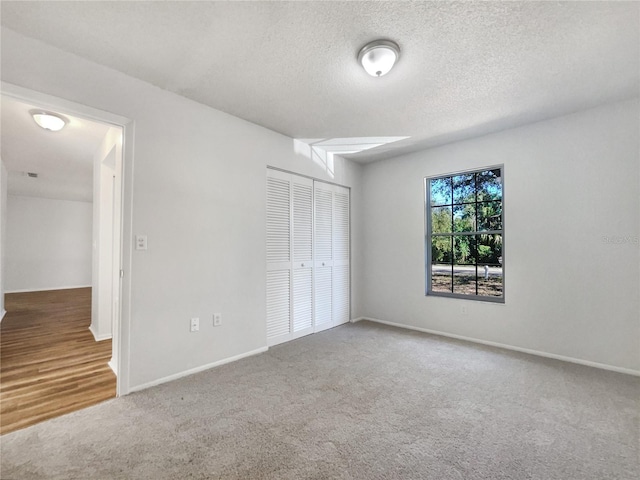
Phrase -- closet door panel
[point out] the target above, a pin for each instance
(323, 298)
(279, 311)
(302, 265)
(302, 220)
(278, 221)
(323, 223)
(302, 300)
(341, 225)
(278, 304)
(340, 294)
(341, 247)
(323, 256)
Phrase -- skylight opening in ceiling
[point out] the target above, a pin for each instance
(344, 146)
(322, 150)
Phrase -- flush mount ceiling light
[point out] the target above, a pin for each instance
(49, 121)
(378, 57)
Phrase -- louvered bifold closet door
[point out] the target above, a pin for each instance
(302, 255)
(341, 272)
(323, 259)
(279, 318)
(307, 256)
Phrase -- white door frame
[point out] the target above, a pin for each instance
(123, 315)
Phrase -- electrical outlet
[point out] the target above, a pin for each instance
(141, 242)
(217, 319)
(463, 310)
(195, 324)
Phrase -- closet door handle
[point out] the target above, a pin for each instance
(302, 265)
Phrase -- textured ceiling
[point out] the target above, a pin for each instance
(63, 160)
(466, 68)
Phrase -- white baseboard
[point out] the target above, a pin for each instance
(202, 368)
(112, 366)
(99, 338)
(27, 290)
(538, 353)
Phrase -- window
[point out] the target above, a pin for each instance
(464, 239)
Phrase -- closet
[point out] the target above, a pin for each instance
(307, 256)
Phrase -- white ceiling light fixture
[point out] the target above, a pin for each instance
(49, 121)
(379, 57)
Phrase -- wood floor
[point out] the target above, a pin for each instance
(50, 363)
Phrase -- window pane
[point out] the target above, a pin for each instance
(489, 250)
(441, 191)
(441, 250)
(441, 256)
(490, 216)
(490, 265)
(441, 277)
(464, 250)
(464, 279)
(441, 220)
(489, 185)
(464, 218)
(464, 268)
(490, 281)
(464, 188)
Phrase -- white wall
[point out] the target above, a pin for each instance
(198, 186)
(106, 179)
(3, 228)
(568, 183)
(48, 244)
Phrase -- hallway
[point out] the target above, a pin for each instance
(50, 363)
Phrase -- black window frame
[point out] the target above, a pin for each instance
(476, 233)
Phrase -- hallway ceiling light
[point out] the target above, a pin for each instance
(378, 57)
(49, 121)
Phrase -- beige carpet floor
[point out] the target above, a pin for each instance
(360, 401)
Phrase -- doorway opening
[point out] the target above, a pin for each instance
(61, 283)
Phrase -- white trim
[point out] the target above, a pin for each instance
(588, 363)
(202, 368)
(112, 365)
(27, 290)
(99, 338)
(45, 100)
(4, 312)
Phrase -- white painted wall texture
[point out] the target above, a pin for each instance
(199, 191)
(572, 210)
(48, 244)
